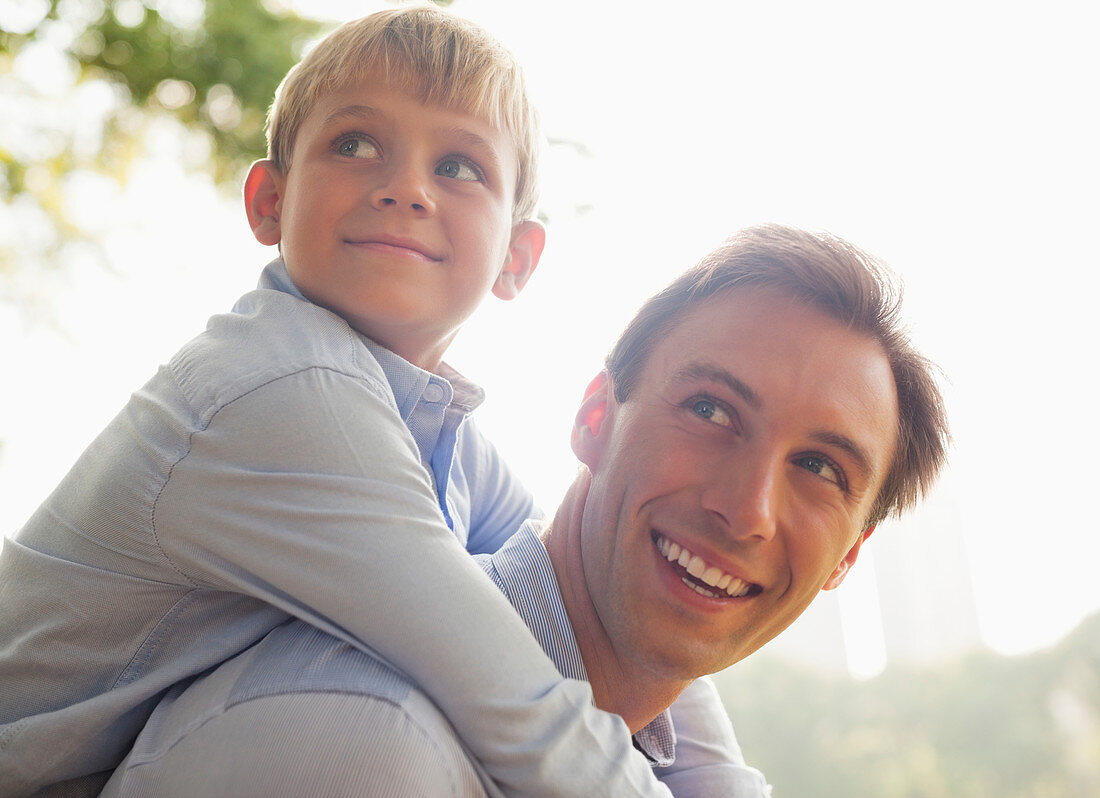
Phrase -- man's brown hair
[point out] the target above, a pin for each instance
(842, 281)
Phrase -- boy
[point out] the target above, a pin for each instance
(308, 454)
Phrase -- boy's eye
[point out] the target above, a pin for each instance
(711, 411)
(357, 147)
(822, 467)
(458, 170)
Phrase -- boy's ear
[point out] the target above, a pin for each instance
(524, 251)
(592, 426)
(841, 571)
(263, 198)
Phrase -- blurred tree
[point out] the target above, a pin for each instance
(88, 87)
(82, 83)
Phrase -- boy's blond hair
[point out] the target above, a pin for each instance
(440, 58)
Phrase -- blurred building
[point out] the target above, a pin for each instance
(925, 593)
(909, 599)
(816, 640)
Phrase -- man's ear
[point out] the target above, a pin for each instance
(592, 425)
(841, 571)
(524, 251)
(263, 198)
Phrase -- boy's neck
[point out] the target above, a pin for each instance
(425, 353)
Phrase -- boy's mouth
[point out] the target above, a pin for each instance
(705, 579)
(396, 245)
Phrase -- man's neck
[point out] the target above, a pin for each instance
(619, 683)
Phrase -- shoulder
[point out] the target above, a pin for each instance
(270, 335)
(303, 712)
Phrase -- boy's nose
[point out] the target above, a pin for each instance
(404, 189)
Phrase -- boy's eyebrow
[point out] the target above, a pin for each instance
(471, 140)
(463, 136)
(361, 111)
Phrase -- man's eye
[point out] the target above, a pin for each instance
(822, 467)
(711, 411)
(458, 170)
(357, 147)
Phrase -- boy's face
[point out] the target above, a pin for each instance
(397, 216)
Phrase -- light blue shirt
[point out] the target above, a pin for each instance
(281, 465)
(377, 734)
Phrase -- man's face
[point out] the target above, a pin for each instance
(735, 481)
(395, 215)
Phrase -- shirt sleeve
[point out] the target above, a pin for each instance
(339, 745)
(307, 493)
(499, 502)
(709, 762)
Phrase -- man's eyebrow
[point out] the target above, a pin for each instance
(850, 447)
(706, 371)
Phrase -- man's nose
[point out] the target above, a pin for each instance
(404, 186)
(743, 496)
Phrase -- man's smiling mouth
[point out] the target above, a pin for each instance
(705, 579)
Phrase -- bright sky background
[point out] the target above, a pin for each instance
(956, 140)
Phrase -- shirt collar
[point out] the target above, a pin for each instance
(522, 569)
(408, 382)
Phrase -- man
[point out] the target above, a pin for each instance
(755, 421)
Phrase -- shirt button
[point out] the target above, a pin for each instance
(433, 393)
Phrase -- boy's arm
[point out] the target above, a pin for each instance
(708, 760)
(307, 493)
(499, 502)
(709, 763)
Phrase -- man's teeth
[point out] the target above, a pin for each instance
(697, 567)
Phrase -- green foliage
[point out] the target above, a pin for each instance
(227, 68)
(87, 85)
(216, 73)
(86, 82)
(984, 726)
